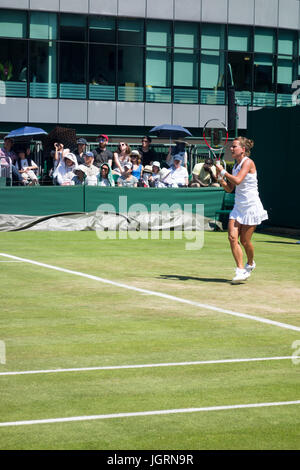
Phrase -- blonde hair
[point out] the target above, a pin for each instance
(247, 143)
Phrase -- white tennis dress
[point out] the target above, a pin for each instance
(248, 209)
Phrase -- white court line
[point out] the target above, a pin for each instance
(144, 366)
(157, 294)
(147, 413)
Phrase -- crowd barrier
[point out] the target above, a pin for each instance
(47, 200)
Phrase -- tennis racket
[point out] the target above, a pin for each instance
(215, 136)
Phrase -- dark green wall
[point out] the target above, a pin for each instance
(276, 134)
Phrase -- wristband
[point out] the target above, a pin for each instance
(222, 173)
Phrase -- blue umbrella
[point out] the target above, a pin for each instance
(170, 131)
(25, 132)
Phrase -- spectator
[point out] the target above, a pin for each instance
(204, 174)
(28, 152)
(144, 181)
(64, 173)
(80, 175)
(155, 177)
(177, 177)
(91, 170)
(57, 155)
(102, 154)
(59, 152)
(147, 153)
(7, 149)
(27, 168)
(7, 160)
(126, 179)
(105, 177)
(179, 149)
(121, 157)
(81, 149)
(137, 167)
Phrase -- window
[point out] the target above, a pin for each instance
(212, 77)
(130, 73)
(186, 63)
(213, 36)
(286, 75)
(130, 32)
(159, 33)
(102, 29)
(158, 74)
(264, 40)
(241, 67)
(186, 76)
(263, 80)
(13, 67)
(73, 70)
(286, 42)
(13, 24)
(43, 25)
(158, 61)
(42, 60)
(186, 35)
(102, 72)
(72, 27)
(239, 38)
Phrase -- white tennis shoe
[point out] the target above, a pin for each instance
(240, 275)
(250, 267)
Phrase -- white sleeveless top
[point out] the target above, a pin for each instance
(248, 209)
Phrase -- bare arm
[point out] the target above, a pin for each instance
(117, 162)
(169, 155)
(195, 179)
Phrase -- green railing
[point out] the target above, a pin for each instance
(263, 99)
(212, 96)
(18, 89)
(188, 95)
(243, 98)
(130, 93)
(157, 94)
(286, 100)
(73, 91)
(136, 94)
(43, 90)
(102, 92)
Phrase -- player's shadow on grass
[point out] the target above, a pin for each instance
(193, 278)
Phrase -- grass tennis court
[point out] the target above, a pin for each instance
(192, 379)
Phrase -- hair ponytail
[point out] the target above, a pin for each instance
(247, 143)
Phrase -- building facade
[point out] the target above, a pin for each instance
(123, 66)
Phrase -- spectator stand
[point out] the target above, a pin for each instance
(40, 152)
(36, 153)
(196, 152)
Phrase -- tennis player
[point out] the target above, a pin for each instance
(248, 211)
